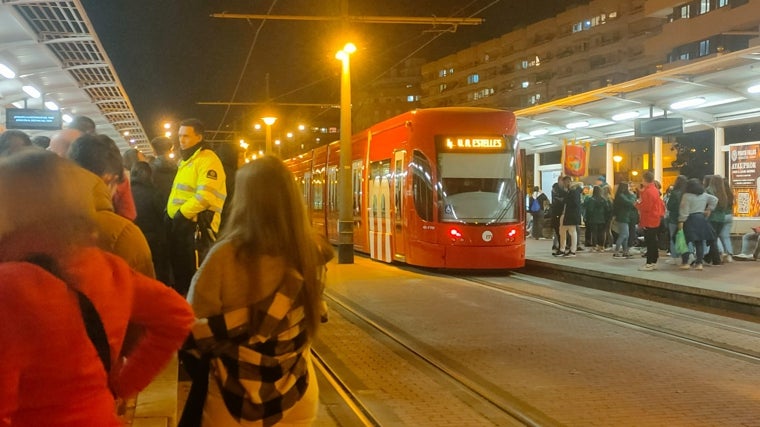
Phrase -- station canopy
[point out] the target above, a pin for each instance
(52, 47)
(718, 91)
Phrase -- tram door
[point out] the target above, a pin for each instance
(399, 179)
(380, 210)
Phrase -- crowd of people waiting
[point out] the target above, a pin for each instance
(111, 263)
(643, 216)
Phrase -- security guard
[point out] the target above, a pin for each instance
(195, 204)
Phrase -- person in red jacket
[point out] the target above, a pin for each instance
(59, 369)
(651, 210)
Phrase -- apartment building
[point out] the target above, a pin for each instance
(587, 47)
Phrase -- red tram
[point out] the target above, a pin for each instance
(434, 187)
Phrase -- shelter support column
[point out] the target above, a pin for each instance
(537, 171)
(609, 168)
(657, 158)
(719, 156)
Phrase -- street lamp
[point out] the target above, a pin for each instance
(269, 121)
(345, 208)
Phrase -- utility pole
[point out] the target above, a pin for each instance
(345, 176)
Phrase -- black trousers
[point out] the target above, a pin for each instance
(182, 254)
(651, 240)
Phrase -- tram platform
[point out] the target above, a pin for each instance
(731, 287)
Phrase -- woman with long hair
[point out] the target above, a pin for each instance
(65, 305)
(261, 279)
(723, 241)
(717, 216)
(623, 211)
(695, 206)
(672, 207)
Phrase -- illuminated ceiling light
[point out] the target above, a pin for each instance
(67, 118)
(538, 132)
(524, 137)
(301, 128)
(125, 133)
(269, 121)
(50, 105)
(625, 116)
(751, 89)
(687, 103)
(576, 125)
(543, 144)
(31, 91)
(257, 126)
(6, 72)
(167, 125)
(18, 104)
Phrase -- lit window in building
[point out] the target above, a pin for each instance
(442, 87)
(442, 73)
(535, 99)
(683, 11)
(472, 79)
(578, 27)
(451, 70)
(704, 6)
(525, 84)
(704, 48)
(722, 3)
(412, 98)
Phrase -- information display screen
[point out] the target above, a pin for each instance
(32, 119)
(472, 144)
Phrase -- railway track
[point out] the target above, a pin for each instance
(669, 322)
(733, 338)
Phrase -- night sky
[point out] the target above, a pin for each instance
(170, 54)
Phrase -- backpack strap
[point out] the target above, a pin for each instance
(92, 322)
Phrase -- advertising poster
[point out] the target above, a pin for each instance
(575, 158)
(744, 163)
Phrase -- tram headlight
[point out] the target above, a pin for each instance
(511, 235)
(455, 234)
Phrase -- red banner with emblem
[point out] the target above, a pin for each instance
(575, 159)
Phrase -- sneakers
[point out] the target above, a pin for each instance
(558, 253)
(684, 267)
(569, 254)
(743, 257)
(627, 256)
(729, 258)
(617, 255)
(648, 267)
(698, 267)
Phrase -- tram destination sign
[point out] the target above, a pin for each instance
(471, 144)
(32, 119)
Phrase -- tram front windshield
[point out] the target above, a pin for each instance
(477, 188)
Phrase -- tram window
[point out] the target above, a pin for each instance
(422, 186)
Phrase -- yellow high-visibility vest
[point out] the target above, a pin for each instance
(200, 184)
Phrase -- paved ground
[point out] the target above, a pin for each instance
(738, 281)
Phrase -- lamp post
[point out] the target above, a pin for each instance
(345, 207)
(269, 121)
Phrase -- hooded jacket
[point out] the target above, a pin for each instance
(116, 234)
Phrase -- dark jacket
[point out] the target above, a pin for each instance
(572, 210)
(163, 176)
(558, 200)
(598, 211)
(623, 209)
